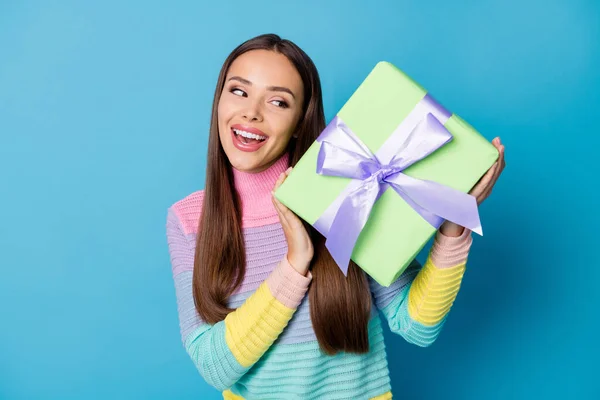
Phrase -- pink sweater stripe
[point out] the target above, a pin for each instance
(287, 284)
(258, 209)
(448, 251)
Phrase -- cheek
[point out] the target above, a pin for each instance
(222, 111)
(227, 108)
(287, 126)
(223, 116)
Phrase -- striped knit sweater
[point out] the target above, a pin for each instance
(267, 348)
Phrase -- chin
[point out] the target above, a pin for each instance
(245, 162)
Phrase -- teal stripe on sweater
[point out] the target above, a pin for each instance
(214, 360)
(400, 322)
(302, 371)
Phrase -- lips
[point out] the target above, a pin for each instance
(247, 128)
(247, 147)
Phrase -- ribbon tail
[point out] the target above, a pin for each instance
(440, 200)
(349, 221)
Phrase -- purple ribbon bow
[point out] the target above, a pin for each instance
(343, 154)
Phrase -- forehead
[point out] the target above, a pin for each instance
(267, 68)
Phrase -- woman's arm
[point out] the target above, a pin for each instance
(417, 303)
(225, 351)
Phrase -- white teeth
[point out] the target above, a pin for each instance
(249, 135)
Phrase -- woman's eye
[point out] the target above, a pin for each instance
(238, 92)
(281, 104)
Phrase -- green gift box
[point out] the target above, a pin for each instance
(386, 103)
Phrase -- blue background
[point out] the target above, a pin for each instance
(104, 112)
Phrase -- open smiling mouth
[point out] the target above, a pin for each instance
(247, 141)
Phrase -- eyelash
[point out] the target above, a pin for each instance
(282, 104)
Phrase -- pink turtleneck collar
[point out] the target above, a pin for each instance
(255, 189)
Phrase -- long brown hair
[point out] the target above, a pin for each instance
(339, 306)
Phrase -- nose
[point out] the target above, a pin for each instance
(253, 112)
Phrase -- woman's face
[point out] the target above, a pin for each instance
(259, 109)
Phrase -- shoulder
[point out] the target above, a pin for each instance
(187, 211)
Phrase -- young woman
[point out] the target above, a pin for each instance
(264, 311)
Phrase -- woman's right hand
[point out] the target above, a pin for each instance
(300, 248)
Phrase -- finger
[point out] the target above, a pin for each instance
(278, 208)
(503, 160)
(493, 174)
(484, 186)
(279, 181)
(484, 181)
(500, 163)
(498, 166)
(480, 190)
(290, 222)
(487, 190)
(283, 176)
(276, 202)
(290, 217)
(486, 193)
(286, 212)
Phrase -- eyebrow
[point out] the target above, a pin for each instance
(271, 88)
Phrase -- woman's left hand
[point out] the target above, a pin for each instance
(481, 190)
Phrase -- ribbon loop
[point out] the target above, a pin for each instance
(334, 160)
